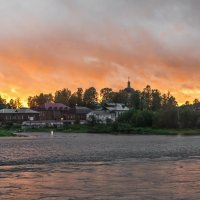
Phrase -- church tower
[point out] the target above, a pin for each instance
(129, 83)
(129, 89)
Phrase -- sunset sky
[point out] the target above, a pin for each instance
(46, 45)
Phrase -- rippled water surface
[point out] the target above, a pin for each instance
(91, 166)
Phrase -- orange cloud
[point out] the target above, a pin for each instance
(60, 59)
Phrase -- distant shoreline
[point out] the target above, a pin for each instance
(103, 130)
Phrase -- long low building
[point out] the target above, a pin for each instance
(58, 113)
(18, 115)
(48, 112)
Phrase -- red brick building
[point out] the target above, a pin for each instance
(61, 112)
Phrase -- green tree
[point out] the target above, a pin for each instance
(142, 118)
(172, 103)
(156, 100)
(90, 97)
(169, 101)
(164, 101)
(138, 119)
(18, 103)
(2, 100)
(196, 104)
(166, 118)
(106, 95)
(146, 98)
(188, 117)
(73, 100)
(40, 100)
(32, 102)
(126, 117)
(120, 97)
(12, 104)
(44, 98)
(135, 100)
(62, 96)
(79, 95)
(187, 103)
(198, 122)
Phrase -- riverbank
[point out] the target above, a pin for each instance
(109, 129)
(117, 129)
(6, 132)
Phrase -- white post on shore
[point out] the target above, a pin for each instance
(51, 133)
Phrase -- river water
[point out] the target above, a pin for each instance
(99, 166)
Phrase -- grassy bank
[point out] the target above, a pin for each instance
(117, 129)
(6, 132)
(154, 131)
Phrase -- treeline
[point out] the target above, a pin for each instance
(148, 108)
(185, 116)
(148, 99)
(13, 103)
(88, 98)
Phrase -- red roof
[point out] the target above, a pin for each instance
(54, 106)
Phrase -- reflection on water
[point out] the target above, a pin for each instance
(100, 167)
(111, 180)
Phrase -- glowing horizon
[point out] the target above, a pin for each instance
(49, 45)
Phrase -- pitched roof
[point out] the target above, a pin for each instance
(82, 110)
(53, 106)
(116, 107)
(21, 111)
(100, 112)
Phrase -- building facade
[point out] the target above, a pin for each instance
(52, 111)
(60, 112)
(108, 113)
(18, 115)
(77, 114)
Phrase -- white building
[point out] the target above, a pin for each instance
(117, 108)
(101, 116)
(110, 112)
